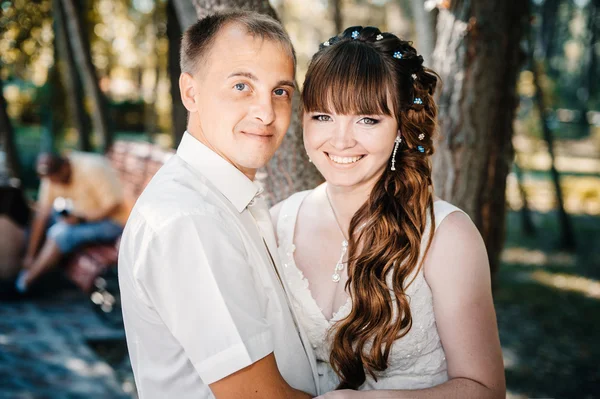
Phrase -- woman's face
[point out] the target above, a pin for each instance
(349, 150)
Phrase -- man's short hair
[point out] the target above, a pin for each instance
(48, 163)
(199, 38)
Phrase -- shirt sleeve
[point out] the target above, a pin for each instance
(198, 278)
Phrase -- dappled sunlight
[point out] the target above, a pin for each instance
(536, 257)
(567, 282)
(86, 369)
(581, 194)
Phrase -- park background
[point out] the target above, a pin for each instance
(519, 150)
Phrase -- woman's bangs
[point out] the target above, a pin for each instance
(348, 79)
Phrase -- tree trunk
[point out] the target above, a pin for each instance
(425, 29)
(549, 11)
(566, 230)
(593, 28)
(83, 58)
(588, 72)
(178, 111)
(337, 15)
(7, 138)
(478, 57)
(526, 221)
(289, 171)
(71, 80)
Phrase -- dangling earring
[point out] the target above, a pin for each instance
(309, 160)
(396, 145)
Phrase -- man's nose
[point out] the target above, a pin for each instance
(263, 110)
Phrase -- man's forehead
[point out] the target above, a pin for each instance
(235, 49)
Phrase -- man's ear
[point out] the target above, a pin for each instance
(188, 91)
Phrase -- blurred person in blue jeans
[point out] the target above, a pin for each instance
(81, 200)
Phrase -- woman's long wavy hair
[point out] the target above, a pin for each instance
(366, 72)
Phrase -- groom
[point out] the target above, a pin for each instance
(204, 307)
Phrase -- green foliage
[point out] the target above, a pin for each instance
(25, 39)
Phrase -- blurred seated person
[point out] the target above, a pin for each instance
(89, 196)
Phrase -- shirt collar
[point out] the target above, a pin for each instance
(228, 179)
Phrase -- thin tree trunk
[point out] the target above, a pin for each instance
(289, 170)
(83, 58)
(425, 29)
(593, 28)
(549, 11)
(478, 58)
(71, 80)
(337, 15)
(7, 138)
(178, 112)
(588, 72)
(567, 238)
(526, 221)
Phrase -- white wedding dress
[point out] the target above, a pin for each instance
(416, 360)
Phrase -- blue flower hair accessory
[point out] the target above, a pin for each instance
(421, 148)
(398, 55)
(418, 101)
(326, 43)
(355, 34)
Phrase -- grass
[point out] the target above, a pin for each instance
(549, 312)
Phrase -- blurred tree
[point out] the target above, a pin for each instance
(289, 171)
(83, 58)
(589, 65)
(70, 79)
(592, 49)
(526, 221)
(178, 112)
(547, 37)
(336, 8)
(566, 231)
(425, 18)
(478, 57)
(7, 138)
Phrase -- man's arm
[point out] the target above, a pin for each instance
(37, 231)
(40, 221)
(261, 380)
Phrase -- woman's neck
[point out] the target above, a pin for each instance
(346, 201)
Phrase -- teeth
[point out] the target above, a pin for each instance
(343, 160)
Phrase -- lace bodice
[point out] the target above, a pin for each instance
(416, 360)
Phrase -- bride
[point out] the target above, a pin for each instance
(391, 284)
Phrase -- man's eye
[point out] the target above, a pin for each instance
(281, 92)
(322, 118)
(240, 86)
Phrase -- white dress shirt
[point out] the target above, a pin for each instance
(201, 296)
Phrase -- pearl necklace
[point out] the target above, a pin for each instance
(335, 277)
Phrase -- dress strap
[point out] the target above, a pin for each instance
(286, 223)
(442, 209)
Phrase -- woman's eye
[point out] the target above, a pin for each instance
(369, 121)
(322, 118)
(281, 92)
(240, 86)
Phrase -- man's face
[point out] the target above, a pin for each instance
(242, 98)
